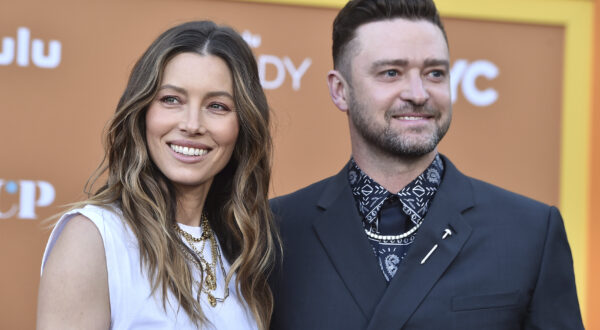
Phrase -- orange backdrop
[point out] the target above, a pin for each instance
(58, 95)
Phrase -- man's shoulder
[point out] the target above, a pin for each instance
(302, 196)
(488, 196)
(489, 193)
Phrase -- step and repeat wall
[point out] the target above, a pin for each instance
(64, 64)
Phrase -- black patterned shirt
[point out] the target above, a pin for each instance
(403, 212)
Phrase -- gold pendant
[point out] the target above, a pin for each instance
(212, 300)
(209, 280)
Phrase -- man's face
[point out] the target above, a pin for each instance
(399, 87)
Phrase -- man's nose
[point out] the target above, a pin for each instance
(414, 90)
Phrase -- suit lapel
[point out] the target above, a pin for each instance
(414, 279)
(340, 231)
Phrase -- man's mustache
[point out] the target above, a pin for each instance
(411, 109)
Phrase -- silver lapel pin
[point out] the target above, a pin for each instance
(447, 233)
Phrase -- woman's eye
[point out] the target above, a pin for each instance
(218, 107)
(169, 100)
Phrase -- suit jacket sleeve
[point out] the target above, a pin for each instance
(554, 303)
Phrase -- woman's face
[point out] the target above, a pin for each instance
(192, 125)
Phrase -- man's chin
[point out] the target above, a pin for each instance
(409, 150)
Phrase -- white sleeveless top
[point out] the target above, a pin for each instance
(131, 304)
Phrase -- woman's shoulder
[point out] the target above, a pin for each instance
(107, 218)
(102, 221)
(76, 230)
(77, 234)
(98, 214)
(78, 259)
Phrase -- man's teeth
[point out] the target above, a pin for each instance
(410, 118)
(188, 151)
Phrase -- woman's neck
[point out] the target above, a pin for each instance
(190, 204)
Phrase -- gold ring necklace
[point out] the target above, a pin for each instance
(209, 283)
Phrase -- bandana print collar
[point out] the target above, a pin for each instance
(415, 197)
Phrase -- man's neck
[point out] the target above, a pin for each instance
(390, 171)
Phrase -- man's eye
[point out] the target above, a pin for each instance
(437, 74)
(391, 73)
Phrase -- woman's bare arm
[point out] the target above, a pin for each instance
(73, 291)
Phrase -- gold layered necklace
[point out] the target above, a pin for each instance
(209, 284)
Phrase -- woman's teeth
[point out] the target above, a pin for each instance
(188, 151)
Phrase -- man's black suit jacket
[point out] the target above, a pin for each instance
(507, 265)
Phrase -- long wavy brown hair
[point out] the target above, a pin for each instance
(237, 202)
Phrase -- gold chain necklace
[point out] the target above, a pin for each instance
(208, 269)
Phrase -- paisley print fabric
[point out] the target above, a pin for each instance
(385, 213)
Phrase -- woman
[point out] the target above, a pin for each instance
(180, 235)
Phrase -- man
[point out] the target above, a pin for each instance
(399, 238)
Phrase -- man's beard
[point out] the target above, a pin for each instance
(396, 143)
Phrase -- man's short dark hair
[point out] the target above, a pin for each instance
(358, 12)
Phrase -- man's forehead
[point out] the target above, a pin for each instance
(399, 33)
(399, 24)
(424, 62)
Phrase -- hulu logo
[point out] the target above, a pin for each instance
(23, 49)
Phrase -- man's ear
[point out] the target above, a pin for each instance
(338, 89)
